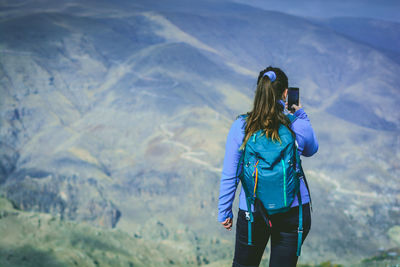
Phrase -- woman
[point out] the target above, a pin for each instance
(268, 113)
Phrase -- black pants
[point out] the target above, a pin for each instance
(283, 238)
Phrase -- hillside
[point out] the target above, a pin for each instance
(39, 239)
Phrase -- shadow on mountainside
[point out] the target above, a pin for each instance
(28, 256)
(90, 243)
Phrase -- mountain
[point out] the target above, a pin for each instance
(116, 114)
(380, 34)
(375, 9)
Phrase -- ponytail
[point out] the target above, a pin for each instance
(267, 113)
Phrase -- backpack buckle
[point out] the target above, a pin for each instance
(247, 215)
(299, 230)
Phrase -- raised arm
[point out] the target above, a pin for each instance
(305, 136)
(228, 178)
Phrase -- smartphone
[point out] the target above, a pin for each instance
(293, 97)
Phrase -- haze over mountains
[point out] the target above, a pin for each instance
(373, 9)
(117, 113)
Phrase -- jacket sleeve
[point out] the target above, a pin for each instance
(229, 181)
(305, 136)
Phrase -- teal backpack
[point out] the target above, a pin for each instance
(269, 176)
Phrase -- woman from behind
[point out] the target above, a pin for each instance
(268, 114)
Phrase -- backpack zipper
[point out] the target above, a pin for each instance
(284, 182)
(256, 178)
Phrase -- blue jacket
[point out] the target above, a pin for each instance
(307, 146)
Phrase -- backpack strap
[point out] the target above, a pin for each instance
(249, 213)
(250, 219)
(244, 116)
(300, 229)
(239, 166)
(308, 188)
(291, 117)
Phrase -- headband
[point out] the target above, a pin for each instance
(271, 75)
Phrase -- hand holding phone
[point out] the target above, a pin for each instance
(293, 98)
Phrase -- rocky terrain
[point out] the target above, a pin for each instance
(115, 114)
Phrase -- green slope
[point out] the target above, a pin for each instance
(39, 239)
